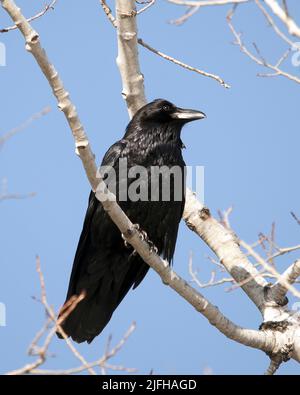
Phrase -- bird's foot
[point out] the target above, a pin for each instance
(144, 237)
(126, 244)
(152, 247)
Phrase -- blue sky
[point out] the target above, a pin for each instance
(249, 145)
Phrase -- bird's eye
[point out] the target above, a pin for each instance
(166, 107)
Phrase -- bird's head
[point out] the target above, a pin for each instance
(162, 111)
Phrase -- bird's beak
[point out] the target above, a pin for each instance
(187, 115)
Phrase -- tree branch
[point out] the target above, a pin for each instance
(187, 15)
(171, 59)
(291, 25)
(43, 12)
(24, 125)
(224, 243)
(33, 46)
(284, 282)
(184, 65)
(149, 4)
(277, 71)
(108, 13)
(133, 80)
(272, 24)
(51, 326)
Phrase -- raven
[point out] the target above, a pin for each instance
(105, 267)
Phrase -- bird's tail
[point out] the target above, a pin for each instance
(83, 318)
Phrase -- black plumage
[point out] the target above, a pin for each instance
(104, 267)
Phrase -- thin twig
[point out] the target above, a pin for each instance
(184, 65)
(270, 269)
(43, 12)
(272, 24)
(24, 125)
(148, 5)
(17, 196)
(260, 61)
(295, 217)
(108, 13)
(113, 21)
(285, 18)
(102, 362)
(283, 251)
(42, 351)
(187, 15)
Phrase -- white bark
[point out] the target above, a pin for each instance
(289, 277)
(224, 243)
(132, 78)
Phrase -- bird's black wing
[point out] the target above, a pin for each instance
(103, 267)
(95, 209)
(99, 268)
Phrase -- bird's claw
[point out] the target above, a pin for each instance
(144, 237)
(126, 244)
(152, 247)
(134, 253)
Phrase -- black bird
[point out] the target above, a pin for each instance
(105, 268)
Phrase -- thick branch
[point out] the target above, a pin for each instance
(132, 78)
(135, 66)
(225, 245)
